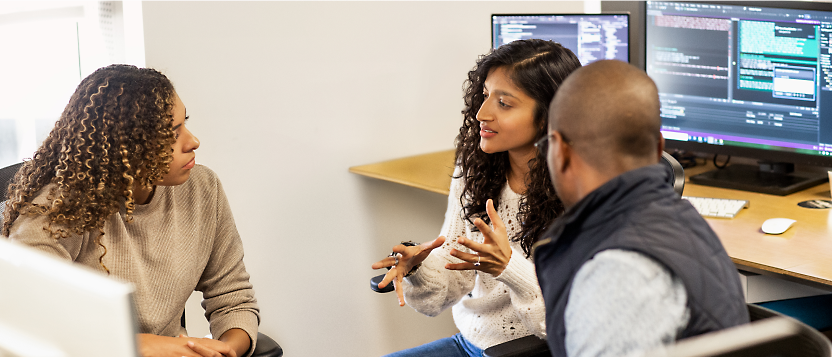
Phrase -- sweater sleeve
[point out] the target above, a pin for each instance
(524, 290)
(623, 303)
(228, 296)
(432, 288)
(29, 229)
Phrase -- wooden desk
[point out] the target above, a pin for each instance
(802, 254)
(430, 172)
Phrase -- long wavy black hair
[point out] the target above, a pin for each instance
(536, 67)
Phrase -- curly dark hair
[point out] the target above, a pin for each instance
(536, 67)
(115, 130)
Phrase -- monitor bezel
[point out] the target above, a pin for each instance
(740, 151)
(38, 279)
(603, 13)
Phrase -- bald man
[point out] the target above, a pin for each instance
(630, 266)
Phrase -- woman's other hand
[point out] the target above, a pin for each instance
(207, 347)
(163, 346)
(493, 254)
(183, 346)
(408, 257)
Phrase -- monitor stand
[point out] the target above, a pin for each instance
(771, 178)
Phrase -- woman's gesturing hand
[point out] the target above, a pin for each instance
(404, 260)
(493, 254)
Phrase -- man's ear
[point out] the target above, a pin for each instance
(563, 153)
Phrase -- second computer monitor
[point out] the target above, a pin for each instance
(750, 79)
(591, 37)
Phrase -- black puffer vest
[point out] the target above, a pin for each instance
(638, 211)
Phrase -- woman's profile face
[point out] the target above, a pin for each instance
(506, 116)
(184, 155)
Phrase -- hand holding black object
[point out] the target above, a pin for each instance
(407, 258)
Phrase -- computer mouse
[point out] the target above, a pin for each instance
(777, 225)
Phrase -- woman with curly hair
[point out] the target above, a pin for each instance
(115, 187)
(486, 277)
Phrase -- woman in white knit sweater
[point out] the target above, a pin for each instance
(115, 187)
(488, 278)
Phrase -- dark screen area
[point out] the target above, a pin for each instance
(590, 37)
(743, 75)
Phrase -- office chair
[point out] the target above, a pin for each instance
(765, 338)
(529, 346)
(769, 334)
(676, 174)
(266, 346)
(809, 342)
(6, 176)
(532, 346)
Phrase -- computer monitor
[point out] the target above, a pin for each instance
(591, 37)
(748, 79)
(53, 308)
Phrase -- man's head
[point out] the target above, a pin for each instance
(603, 121)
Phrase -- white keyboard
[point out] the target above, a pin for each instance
(717, 207)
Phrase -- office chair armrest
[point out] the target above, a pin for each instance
(529, 346)
(266, 347)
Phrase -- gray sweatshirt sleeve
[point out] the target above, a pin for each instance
(623, 303)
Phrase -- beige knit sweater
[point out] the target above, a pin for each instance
(183, 240)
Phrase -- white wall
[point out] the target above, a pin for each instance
(285, 97)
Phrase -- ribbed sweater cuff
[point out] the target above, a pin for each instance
(417, 279)
(519, 274)
(245, 321)
(428, 274)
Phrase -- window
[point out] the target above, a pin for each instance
(47, 48)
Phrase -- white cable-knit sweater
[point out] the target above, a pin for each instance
(487, 310)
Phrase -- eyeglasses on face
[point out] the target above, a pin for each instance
(542, 145)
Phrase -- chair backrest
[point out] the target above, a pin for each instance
(763, 338)
(6, 176)
(809, 342)
(757, 312)
(675, 171)
(769, 334)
